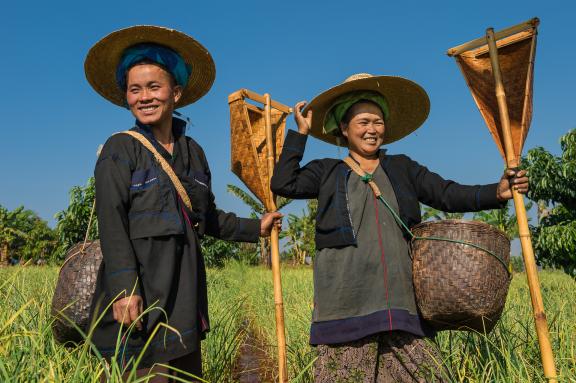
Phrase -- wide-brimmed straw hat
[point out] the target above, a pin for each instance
(103, 59)
(408, 105)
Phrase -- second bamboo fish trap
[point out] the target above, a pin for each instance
(459, 286)
(248, 131)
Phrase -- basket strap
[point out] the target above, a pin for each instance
(164, 164)
(366, 177)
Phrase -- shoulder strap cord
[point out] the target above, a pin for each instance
(165, 166)
(367, 178)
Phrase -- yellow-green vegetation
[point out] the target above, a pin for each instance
(241, 301)
(29, 353)
(509, 354)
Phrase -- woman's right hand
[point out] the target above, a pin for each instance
(304, 122)
(127, 310)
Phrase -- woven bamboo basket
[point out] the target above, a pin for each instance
(74, 291)
(458, 286)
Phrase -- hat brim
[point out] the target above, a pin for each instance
(407, 101)
(104, 57)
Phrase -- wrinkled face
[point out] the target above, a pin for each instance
(365, 130)
(151, 94)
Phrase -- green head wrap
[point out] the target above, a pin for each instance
(344, 102)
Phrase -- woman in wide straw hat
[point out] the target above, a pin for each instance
(149, 237)
(365, 320)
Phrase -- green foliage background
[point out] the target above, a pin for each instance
(553, 187)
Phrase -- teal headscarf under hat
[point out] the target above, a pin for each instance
(157, 53)
(341, 105)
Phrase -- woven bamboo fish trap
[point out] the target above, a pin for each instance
(458, 286)
(257, 134)
(248, 139)
(516, 58)
(74, 291)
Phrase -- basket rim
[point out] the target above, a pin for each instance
(467, 222)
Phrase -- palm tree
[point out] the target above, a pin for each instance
(301, 232)
(257, 210)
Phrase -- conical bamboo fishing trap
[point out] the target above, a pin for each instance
(516, 50)
(257, 138)
(498, 69)
(248, 139)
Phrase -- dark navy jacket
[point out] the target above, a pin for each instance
(136, 199)
(326, 179)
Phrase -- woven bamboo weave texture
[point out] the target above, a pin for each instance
(74, 291)
(516, 57)
(248, 139)
(459, 286)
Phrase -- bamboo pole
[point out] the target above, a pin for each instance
(275, 249)
(527, 252)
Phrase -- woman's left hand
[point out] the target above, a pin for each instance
(268, 221)
(520, 183)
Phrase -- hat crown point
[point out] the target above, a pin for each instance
(358, 76)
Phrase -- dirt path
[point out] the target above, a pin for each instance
(253, 364)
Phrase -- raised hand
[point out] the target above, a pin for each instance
(304, 122)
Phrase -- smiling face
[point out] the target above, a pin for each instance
(151, 94)
(364, 130)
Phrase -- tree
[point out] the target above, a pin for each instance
(301, 233)
(431, 214)
(503, 219)
(216, 251)
(553, 187)
(10, 231)
(72, 223)
(41, 242)
(24, 235)
(257, 210)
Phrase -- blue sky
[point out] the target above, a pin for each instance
(53, 121)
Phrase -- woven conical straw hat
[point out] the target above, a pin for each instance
(104, 57)
(408, 105)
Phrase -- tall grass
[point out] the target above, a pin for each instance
(241, 301)
(255, 283)
(29, 353)
(509, 353)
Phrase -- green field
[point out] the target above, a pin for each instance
(242, 309)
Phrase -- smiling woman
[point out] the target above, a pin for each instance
(365, 321)
(151, 94)
(153, 208)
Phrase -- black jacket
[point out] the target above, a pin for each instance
(326, 179)
(136, 199)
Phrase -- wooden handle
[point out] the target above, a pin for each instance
(525, 240)
(245, 93)
(275, 249)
